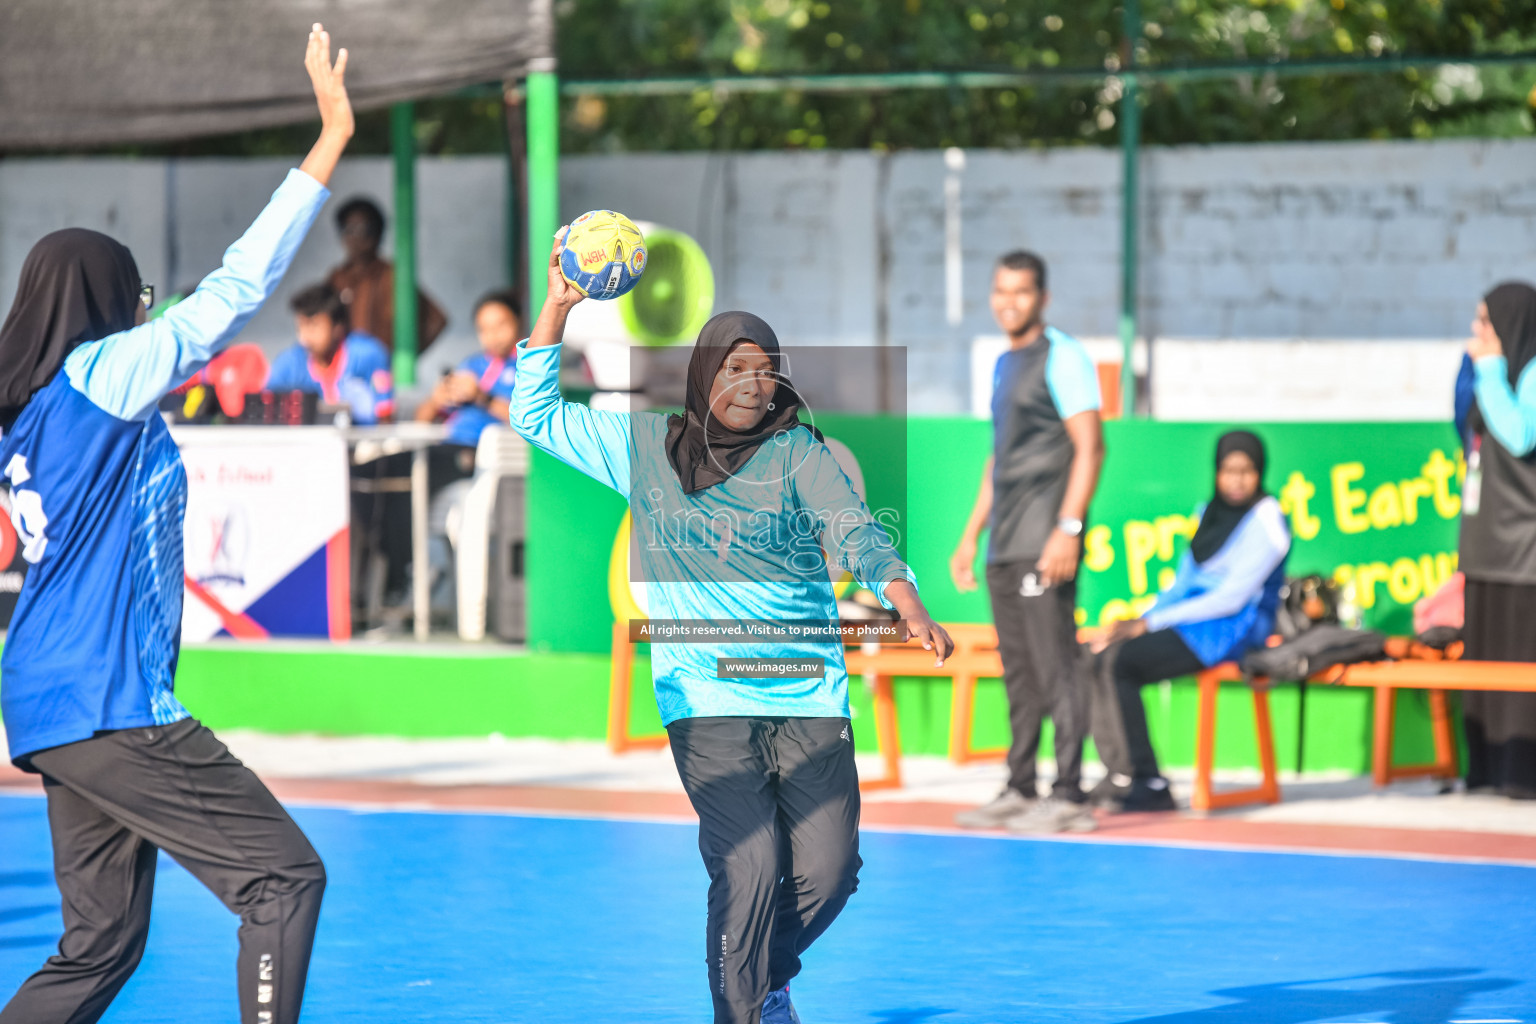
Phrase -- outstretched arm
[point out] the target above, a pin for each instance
(127, 373)
(591, 440)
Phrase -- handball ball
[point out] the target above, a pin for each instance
(604, 254)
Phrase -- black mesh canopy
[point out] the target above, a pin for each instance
(79, 73)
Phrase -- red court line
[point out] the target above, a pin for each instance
(1177, 830)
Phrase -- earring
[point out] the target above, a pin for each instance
(771, 407)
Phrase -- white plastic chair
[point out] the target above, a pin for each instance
(500, 453)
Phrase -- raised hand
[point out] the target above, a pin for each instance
(561, 292)
(329, 82)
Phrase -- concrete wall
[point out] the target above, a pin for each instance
(1304, 243)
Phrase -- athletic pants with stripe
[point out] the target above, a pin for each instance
(778, 806)
(117, 799)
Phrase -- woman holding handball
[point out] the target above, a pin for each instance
(98, 494)
(734, 502)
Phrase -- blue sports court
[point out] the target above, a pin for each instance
(469, 917)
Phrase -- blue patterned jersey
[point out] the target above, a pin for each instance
(359, 376)
(98, 495)
(466, 422)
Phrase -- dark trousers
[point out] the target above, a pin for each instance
(1037, 638)
(1115, 678)
(778, 806)
(117, 798)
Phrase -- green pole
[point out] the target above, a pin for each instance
(1130, 145)
(402, 139)
(542, 99)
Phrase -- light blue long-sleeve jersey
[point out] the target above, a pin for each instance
(98, 494)
(1510, 413)
(1225, 606)
(749, 548)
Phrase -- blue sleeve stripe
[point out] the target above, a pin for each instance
(1070, 375)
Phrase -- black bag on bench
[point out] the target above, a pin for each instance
(1323, 646)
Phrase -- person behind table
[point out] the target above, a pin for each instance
(366, 281)
(1220, 605)
(1047, 449)
(1498, 538)
(99, 494)
(476, 395)
(342, 365)
(736, 499)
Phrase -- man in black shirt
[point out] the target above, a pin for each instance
(1047, 449)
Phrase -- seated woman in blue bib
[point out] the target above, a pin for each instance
(1220, 605)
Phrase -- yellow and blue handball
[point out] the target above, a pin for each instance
(604, 254)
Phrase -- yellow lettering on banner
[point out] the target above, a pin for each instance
(1114, 611)
(1098, 549)
(1347, 499)
(1405, 585)
(1439, 470)
(1165, 577)
(1140, 546)
(1118, 609)
(1080, 616)
(1366, 578)
(1293, 502)
(1412, 491)
(1171, 527)
(1386, 507)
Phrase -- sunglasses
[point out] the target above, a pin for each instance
(147, 296)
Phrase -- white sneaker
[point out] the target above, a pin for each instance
(1053, 815)
(1010, 803)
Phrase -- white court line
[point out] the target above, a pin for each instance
(418, 807)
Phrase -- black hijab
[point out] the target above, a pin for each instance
(76, 286)
(1512, 312)
(1221, 516)
(702, 450)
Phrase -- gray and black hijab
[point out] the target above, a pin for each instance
(702, 450)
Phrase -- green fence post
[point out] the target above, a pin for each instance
(402, 138)
(1130, 146)
(542, 109)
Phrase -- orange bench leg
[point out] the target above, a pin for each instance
(887, 735)
(962, 716)
(1204, 797)
(619, 681)
(1269, 788)
(1444, 766)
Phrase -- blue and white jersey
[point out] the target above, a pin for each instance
(467, 422)
(359, 376)
(98, 494)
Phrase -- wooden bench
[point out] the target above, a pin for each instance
(975, 657)
(1437, 676)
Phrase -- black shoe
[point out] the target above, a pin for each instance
(1110, 791)
(1149, 795)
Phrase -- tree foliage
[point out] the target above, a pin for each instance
(664, 38)
(644, 38)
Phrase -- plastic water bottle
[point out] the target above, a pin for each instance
(1349, 607)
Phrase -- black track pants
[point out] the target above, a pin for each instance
(116, 798)
(778, 806)
(1037, 638)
